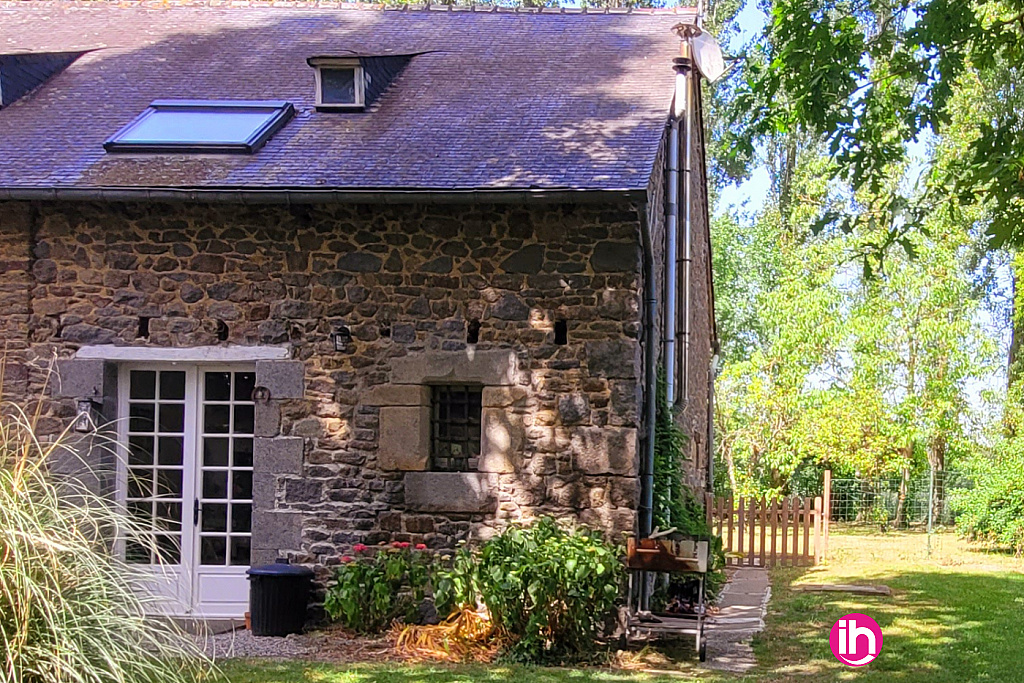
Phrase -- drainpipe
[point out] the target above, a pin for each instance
(650, 400)
(684, 71)
(650, 377)
(672, 242)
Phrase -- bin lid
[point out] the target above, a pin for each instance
(280, 568)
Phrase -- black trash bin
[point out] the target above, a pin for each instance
(278, 596)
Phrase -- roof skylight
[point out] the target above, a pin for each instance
(212, 126)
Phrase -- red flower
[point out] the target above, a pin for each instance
(346, 559)
(359, 548)
(396, 544)
(403, 544)
(421, 546)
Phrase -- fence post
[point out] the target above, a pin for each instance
(785, 531)
(763, 514)
(729, 543)
(752, 520)
(741, 524)
(775, 528)
(931, 504)
(826, 505)
(817, 530)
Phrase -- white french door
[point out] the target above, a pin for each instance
(187, 475)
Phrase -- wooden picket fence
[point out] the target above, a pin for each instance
(792, 531)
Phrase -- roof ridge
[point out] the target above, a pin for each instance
(356, 6)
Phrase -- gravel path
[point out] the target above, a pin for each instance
(331, 644)
(242, 643)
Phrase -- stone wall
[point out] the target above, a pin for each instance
(561, 421)
(692, 414)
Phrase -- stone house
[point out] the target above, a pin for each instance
(338, 275)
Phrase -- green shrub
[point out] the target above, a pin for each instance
(993, 511)
(67, 610)
(458, 586)
(379, 586)
(548, 589)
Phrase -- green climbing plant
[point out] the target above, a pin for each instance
(675, 504)
(669, 455)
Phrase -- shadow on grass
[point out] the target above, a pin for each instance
(938, 626)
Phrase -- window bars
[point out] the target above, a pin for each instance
(455, 428)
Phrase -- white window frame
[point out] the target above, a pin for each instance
(340, 63)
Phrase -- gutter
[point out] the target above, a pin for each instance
(289, 196)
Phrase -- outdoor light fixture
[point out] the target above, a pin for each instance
(342, 337)
(85, 421)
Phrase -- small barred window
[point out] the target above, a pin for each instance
(455, 428)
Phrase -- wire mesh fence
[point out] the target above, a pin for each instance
(896, 503)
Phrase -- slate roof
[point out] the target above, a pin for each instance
(496, 100)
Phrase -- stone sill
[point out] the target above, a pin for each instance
(451, 491)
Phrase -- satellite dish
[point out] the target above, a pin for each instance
(707, 55)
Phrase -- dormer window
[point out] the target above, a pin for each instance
(340, 83)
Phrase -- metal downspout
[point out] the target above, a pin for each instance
(650, 377)
(650, 388)
(672, 246)
(684, 67)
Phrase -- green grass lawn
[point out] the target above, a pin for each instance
(955, 616)
(297, 672)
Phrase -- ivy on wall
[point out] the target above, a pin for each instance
(670, 491)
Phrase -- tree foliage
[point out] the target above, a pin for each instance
(866, 77)
(863, 371)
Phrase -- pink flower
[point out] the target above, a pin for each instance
(396, 544)
(359, 548)
(346, 559)
(421, 546)
(403, 544)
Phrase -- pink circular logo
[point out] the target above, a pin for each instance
(855, 639)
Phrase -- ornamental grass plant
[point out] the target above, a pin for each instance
(68, 611)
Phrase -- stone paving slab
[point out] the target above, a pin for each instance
(740, 616)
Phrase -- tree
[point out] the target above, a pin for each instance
(866, 373)
(867, 77)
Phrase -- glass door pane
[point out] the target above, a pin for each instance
(155, 472)
(226, 420)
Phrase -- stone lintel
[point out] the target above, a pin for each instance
(495, 367)
(397, 395)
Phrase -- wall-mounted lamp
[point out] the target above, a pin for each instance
(85, 415)
(342, 338)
